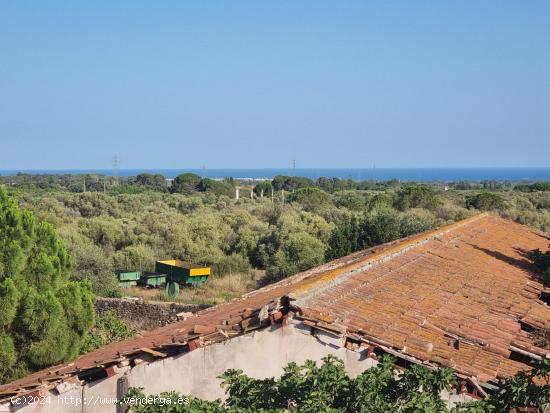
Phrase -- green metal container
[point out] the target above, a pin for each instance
(152, 279)
(126, 275)
(179, 272)
(127, 284)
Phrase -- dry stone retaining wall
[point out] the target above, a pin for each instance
(144, 315)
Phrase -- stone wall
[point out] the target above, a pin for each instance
(144, 315)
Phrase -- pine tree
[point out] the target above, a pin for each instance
(44, 317)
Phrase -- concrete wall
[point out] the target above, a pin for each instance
(260, 354)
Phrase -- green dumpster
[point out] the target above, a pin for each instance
(152, 279)
(179, 272)
(127, 284)
(127, 275)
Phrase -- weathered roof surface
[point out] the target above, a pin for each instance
(456, 296)
(472, 284)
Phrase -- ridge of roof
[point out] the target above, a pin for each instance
(307, 290)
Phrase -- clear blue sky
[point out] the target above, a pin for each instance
(178, 84)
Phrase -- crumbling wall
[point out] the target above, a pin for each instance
(260, 354)
(144, 315)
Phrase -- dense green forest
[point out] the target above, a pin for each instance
(133, 222)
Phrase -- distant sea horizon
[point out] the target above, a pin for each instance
(377, 174)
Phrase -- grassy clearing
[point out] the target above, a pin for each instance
(216, 290)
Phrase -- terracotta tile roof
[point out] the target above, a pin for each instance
(472, 284)
(456, 296)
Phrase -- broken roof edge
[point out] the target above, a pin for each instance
(277, 317)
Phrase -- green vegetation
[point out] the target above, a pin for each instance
(542, 337)
(310, 388)
(186, 184)
(155, 182)
(542, 262)
(139, 220)
(263, 187)
(311, 199)
(525, 389)
(189, 183)
(380, 389)
(108, 231)
(485, 201)
(537, 186)
(44, 317)
(416, 196)
(290, 183)
(108, 328)
(135, 221)
(375, 227)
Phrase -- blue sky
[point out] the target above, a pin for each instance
(172, 84)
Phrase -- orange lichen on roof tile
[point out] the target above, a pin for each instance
(473, 283)
(455, 297)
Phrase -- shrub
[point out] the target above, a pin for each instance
(294, 252)
(525, 390)
(542, 262)
(540, 259)
(155, 182)
(379, 201)
(380, 226)
(416, 196)
(186, 183)
(352, 200)
(264, 187)
(311, 199)
(485, 201)
(344, 239)
(108, 328)
(216, 187)
(290, 183)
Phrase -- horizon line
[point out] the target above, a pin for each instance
(268, 168)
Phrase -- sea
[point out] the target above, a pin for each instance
(375, 174)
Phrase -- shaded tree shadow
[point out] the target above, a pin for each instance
(523, 264)
(524, 253)
(536, 273)
(541, 234)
